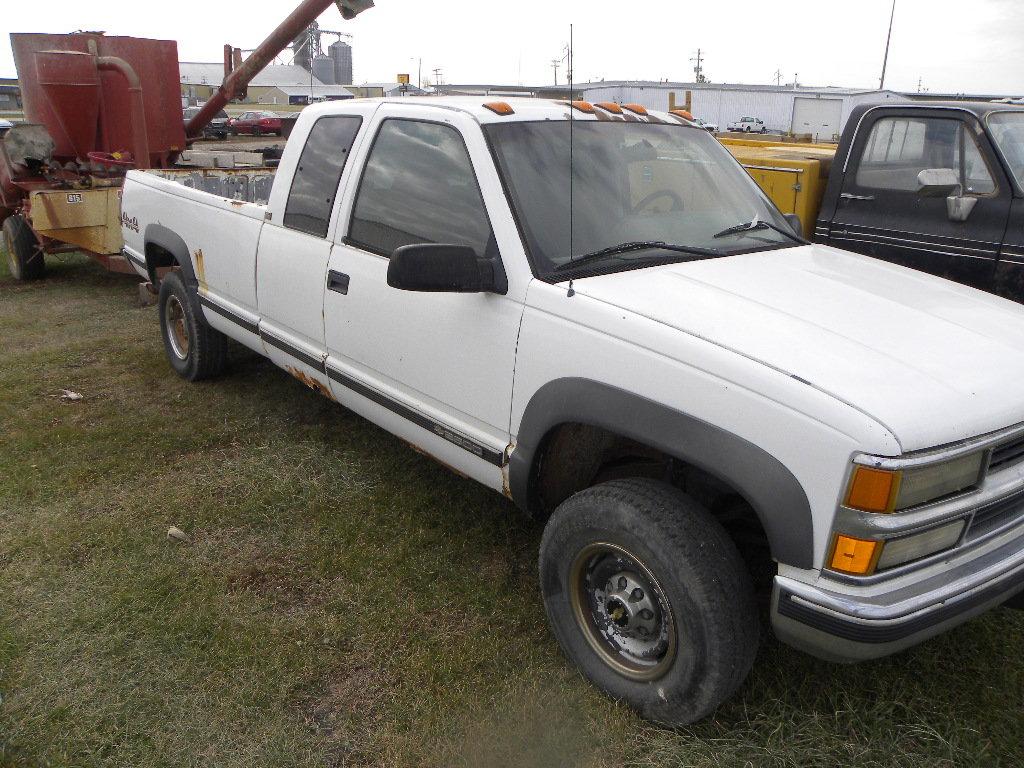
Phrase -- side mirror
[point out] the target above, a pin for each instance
(945, 182)
(794, 223)
(441, 268)
(938, 182)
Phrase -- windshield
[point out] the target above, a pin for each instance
(1008, 130)
(632, 182)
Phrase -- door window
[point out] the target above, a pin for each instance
(315, 184)
(899, 148)
(419, 187)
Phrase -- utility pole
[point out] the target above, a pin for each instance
(888, 39)
(555, 64)
(437, 76)
(698, 69)
(778, 77)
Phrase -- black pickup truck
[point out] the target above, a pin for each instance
(934, 186)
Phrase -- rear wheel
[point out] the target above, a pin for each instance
(24, 255)
(194, 349)
(648, 596)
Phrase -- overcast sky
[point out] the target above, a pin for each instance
(974, 47)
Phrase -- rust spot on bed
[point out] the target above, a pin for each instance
(313, 383)
(200, 268)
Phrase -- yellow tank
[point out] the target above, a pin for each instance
(792, 175)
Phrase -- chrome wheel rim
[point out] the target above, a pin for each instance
(622, 611)
(177, 330)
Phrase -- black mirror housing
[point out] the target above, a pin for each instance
(440, 267)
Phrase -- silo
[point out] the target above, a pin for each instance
(341, 53)
(323, 69)
(300, 49)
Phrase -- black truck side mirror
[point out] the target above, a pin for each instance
(945, 182)
(441, 267)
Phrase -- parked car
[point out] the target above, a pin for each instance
(682, 387)
(256, 124)
(216, 129)
(710, 127)
(749, 125)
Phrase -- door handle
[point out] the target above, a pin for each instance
(848, 196)
(337, 281)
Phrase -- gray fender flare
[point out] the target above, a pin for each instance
(171, 242)
(771, 489)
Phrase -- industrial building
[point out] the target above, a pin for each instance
(277, 84)
(818, 112)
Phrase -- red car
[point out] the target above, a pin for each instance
(255, 123)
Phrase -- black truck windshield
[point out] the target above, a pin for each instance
(632, 182)
(1008, 130)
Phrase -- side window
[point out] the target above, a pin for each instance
(419, 187)
(318, 174)
(899, 148)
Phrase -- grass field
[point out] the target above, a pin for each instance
(342, 600)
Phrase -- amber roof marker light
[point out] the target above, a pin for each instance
(502, 108)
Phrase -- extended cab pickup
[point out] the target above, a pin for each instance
(634, 345)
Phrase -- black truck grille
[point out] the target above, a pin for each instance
(995, 516)
(1006, 454)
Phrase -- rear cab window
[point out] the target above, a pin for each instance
(318, 174)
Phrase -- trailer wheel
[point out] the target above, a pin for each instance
(649, 598)
(24, 256)
(194, 349)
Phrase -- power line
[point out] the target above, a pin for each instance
(698, 70)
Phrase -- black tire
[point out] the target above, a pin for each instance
(194, 349)
(24, 256)
(702, 580)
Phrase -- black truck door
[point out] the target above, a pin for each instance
(881, 213)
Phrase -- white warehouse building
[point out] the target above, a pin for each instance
(820, 112)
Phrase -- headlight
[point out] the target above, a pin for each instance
(884, 490)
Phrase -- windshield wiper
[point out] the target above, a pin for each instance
(635, 245)
(755, 224)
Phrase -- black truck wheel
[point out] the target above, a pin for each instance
(194, 349)
(648, 596)
(24, 256)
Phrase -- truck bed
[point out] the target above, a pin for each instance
(251, 185)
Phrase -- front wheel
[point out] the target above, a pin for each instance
(24, 256)
(194, 349)
(648, 596)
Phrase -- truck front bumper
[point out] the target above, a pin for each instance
(834, 621)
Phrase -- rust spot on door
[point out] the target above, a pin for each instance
(313, 383)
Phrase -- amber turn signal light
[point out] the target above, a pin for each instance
(609, 106)
(873, 490)
(638, 109)
(856, 556)
(686, 115)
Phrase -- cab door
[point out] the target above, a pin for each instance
(293, 252)
(880, 212)
(434, 368)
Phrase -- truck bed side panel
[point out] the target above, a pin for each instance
(220, 234)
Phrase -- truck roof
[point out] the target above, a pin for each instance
(980, 109)
(523, 109)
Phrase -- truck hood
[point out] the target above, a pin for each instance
(931, 360)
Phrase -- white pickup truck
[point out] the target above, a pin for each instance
(596, 312)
